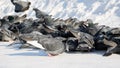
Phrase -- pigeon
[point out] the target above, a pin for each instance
(52, 48)
(21, 6)
(40, 14)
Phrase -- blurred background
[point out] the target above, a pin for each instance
(104, 12)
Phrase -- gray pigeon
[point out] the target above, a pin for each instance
(53, 46)
(21, 6)
(39, 14)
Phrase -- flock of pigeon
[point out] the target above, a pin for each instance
(58, 35)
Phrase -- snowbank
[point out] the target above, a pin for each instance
(105, 12)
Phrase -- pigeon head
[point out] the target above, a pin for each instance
(29, 3)
(35, 9)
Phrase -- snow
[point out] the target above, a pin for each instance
(30, 58)
(104, 12)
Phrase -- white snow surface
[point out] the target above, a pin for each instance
(29, 58)
(104, 12)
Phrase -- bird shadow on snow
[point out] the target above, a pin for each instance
(30, 53)
(93, 52)
(43, 53)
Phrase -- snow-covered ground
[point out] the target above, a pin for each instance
(104, 12)
(28, 58)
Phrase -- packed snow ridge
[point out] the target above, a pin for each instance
(104, 12)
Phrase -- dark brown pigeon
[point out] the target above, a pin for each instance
(21, 6)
